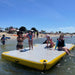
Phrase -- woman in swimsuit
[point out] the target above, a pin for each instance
(20, 40)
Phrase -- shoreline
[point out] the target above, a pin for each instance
(14, 36)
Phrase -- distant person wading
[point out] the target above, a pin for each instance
(3, 39)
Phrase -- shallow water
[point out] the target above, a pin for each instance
(66, 66)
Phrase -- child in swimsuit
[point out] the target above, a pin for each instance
(3, 39)
(49, 41)
(30, 40)
(20, 40)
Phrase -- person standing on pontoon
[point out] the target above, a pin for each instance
(30, 40)
(20, 40)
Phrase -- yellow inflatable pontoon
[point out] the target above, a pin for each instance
(40, 57)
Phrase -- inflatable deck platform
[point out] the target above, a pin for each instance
(40, 57)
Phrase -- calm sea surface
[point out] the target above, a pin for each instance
(66, 66)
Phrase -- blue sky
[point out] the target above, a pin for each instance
(49, 15)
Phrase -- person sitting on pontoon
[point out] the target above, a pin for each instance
(61, 44)
(49, 41)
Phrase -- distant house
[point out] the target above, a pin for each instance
(1, 30)
(12, 30)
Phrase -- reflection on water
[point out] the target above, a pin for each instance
(66, 66)
(3, 47)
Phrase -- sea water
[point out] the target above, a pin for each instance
(66, 66)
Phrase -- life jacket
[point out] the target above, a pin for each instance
(60, 43)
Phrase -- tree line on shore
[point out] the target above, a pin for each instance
(12, 29)
(22, 28)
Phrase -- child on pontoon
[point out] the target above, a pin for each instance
(49, 40)
(20, 40)
(30, 39)
(61, 44)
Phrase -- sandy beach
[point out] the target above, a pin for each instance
(14, 36)
(7, 35)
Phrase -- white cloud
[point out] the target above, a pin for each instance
(67, 29)
(64, 29)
